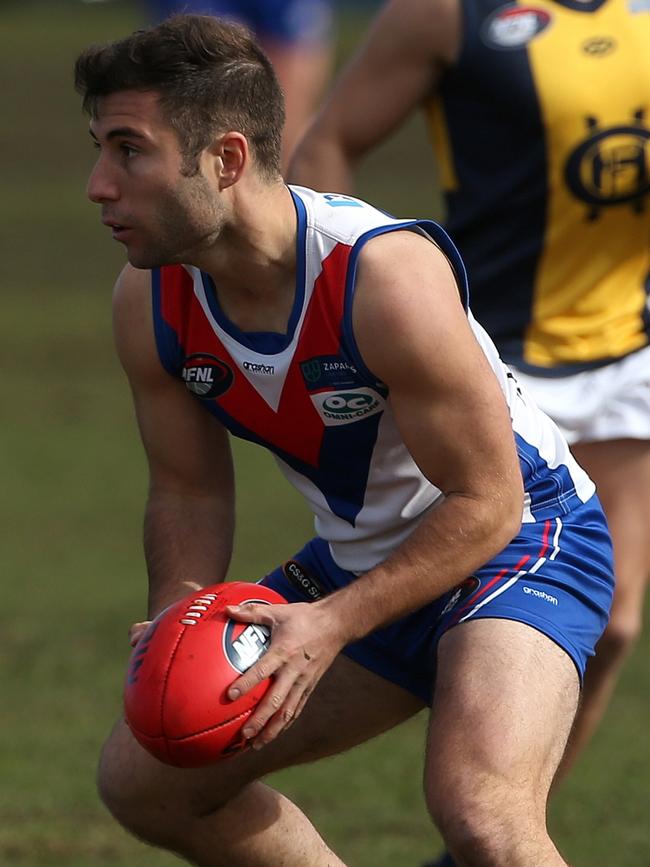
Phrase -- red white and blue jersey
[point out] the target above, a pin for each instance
(308, 397)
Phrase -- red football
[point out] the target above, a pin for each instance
(175, 693)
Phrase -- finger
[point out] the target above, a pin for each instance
(137, 630)
(252, 613)
(286, 714)
(263, 669)
(302, 702)
(270, 706)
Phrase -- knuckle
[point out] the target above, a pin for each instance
(262, 671)
(283, 650)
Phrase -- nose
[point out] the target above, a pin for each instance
(101, 186)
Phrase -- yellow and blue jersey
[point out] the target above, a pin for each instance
(542, 134)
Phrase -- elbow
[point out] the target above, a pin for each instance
(507, 515)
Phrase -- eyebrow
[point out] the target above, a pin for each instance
(120, 131)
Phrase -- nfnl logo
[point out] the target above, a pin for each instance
(206, 376)
(245, 643)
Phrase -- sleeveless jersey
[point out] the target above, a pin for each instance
(542, 135)
(308, 397)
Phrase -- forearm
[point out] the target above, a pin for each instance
(187, 543)
(452, 541)
(322, 163)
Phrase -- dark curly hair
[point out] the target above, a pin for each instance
(211, 76)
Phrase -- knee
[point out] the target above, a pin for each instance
(124, 790)
(478, 823)
(150, 800)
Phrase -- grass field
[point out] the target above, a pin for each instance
(73, 489)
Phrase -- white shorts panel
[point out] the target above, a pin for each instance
(610, 402)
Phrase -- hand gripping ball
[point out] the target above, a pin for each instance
(175, 693)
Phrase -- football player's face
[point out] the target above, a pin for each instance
(160, 215)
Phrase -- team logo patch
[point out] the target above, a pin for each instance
(598, 46)
(245, 643)
(206, 376)
(343, 407)
(462, 592)
(610, 166)
(324, 371)
(513, 26)
(303, 580)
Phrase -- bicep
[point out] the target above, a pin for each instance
(188, 450)
(392, 73)
(446, 399)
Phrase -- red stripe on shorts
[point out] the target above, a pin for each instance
(473, 599)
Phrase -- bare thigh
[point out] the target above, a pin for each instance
(349, 706)
(621, 471)
(504, 702)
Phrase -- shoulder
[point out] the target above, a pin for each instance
(404, 260)
(344, 219)
(131, 289)
(133, 323)
(407, 291)
(424, 29)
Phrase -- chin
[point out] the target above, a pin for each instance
(144, 261)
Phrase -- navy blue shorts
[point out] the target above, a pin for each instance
(291, 21)
(556, 576)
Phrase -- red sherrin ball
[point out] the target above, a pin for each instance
(175, 698)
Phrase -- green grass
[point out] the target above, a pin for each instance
(73, 484)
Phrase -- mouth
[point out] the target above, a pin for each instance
(118, 230)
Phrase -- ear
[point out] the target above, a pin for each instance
(231, 156)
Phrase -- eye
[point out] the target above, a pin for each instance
(128, 150)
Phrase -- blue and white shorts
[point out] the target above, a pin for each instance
(556, 576)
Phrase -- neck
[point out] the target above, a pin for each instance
(253, 261)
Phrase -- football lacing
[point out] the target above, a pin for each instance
(196, 610)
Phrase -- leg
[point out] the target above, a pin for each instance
(621, 470)
(221, 816)
(504, 702)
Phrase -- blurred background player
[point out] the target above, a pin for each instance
(540, 122)
(296, 36)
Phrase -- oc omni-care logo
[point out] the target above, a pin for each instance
(610, 165)
(348, 405)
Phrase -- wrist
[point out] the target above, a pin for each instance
(342, 611)
(163, 598)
